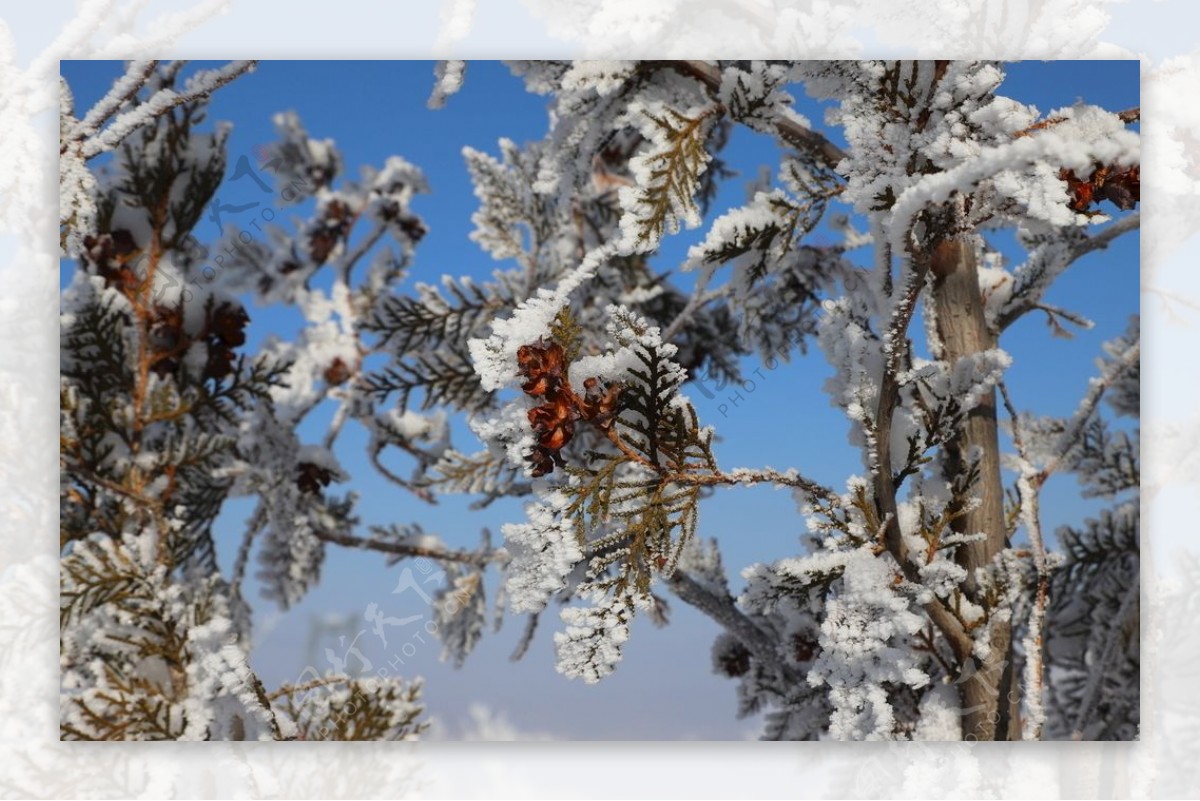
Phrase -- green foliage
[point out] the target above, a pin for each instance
(407, 324)
(151, 183)
(767, 240)
(567, 333)
(355, 709)
(1093, 631)
(1108, 462)
(94, 576)
(159, 421)
(673, 171)
(483, 472)
(443, 377)
(637, 508)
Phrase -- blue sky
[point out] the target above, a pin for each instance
(664, 688)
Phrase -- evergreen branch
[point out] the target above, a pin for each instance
(1128, 609)
(444, 377)
(199, 87)
(672, 174)
(411, 324)
(1029, 297)
(289, 690)
(805, 139)
(484, 472)
(1076, 427)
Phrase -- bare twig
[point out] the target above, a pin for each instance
(477, 558)
(1029, 491)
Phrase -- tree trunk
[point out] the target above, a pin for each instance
(963, 330)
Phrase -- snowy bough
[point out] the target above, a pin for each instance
(925, 607)
(165, 416)
(926, 602)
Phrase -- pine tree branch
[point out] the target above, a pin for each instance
(200, 86)
(1129, 605)
(1027, 302)
(805, 139)
(1087, 408)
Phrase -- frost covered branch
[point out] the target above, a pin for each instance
(910, 602)
(1029, 486)
(91, 141)
(400, 548)
(795, 134)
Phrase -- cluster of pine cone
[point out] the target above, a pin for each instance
(115, 256)
(1123, 188)
(544, 368)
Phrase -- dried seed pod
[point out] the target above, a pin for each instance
(337, 373)
(543, 366)
(1122, 188)
(224, 330)
(600, 405)
(312, 478)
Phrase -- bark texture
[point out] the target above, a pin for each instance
(962, 327)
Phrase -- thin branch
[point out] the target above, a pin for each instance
(400, 549)
(742, 476)
(292, 689)
(1029, 492)
(767, 475)
(930, 646)
(722, 609)
(199, 86)
(1096, 389)
(346, 266)
(424, 493)
(699, 298)
(885, 490)
(243, 555)
(1027, 302)
(1127, 116)
(125, 88)
(790, 131)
